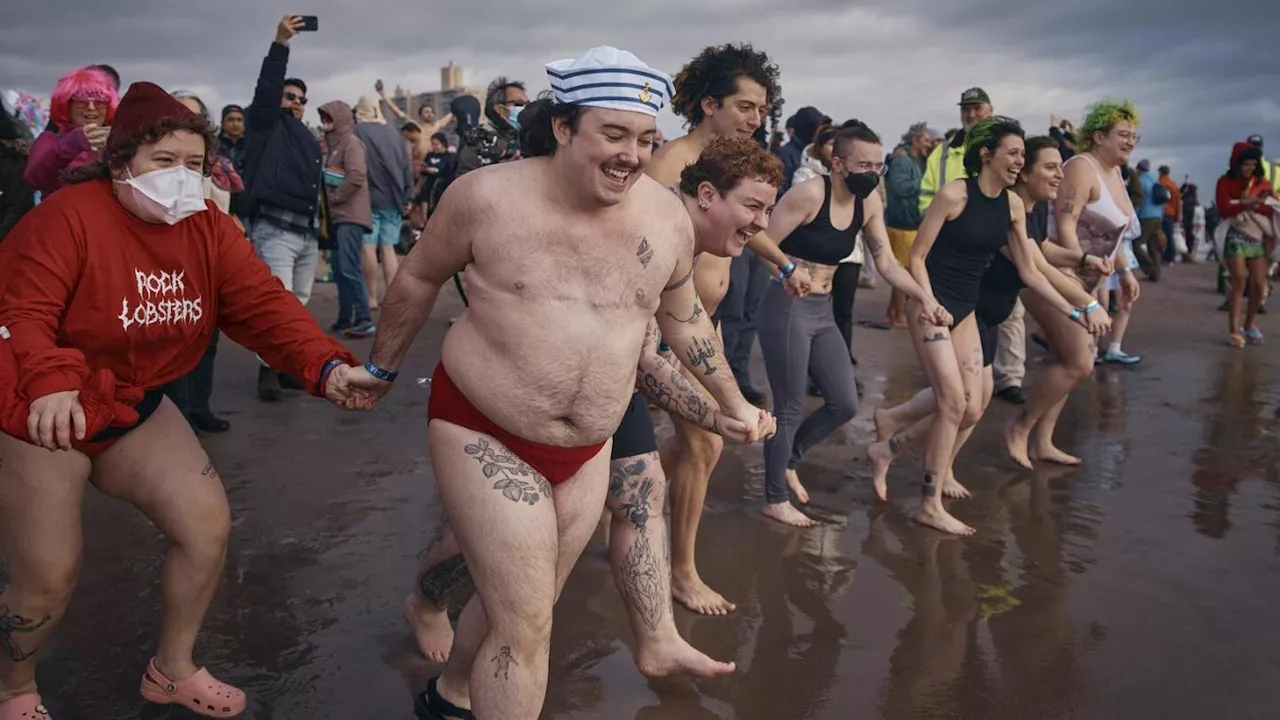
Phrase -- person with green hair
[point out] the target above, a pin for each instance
(968, 222)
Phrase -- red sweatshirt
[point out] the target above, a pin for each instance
(1231, 190)
(96, 300)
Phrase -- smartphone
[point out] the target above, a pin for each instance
(310, 23)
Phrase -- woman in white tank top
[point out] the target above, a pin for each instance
(1092, 214)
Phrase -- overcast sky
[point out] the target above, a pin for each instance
(1203, 74)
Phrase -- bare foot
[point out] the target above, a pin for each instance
(431, 629)
(660, 658)
(793, 482)
(1050, 454)
(885, 426)
(785, 513)
(953, 489)
(1015, 443)
(939, 519)
(881, 457)
(695, 595)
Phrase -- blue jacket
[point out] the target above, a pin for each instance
(902, 193)
(282, 160)
(1148, 209)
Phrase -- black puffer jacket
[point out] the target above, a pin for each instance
(282, 160)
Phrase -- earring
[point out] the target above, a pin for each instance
(704, 204)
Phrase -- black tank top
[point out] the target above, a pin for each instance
(818, 241)
(965, 246)
(1001, 283)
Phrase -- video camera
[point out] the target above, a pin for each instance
(484, 141)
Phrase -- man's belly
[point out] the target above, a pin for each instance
(547, 375)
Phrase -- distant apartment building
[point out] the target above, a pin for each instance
(451, 86)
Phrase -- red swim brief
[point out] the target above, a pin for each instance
(556, 464)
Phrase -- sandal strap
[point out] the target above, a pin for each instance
(436, 703)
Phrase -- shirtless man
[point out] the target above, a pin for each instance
(570, 253)
(723, 91)
(727, 194)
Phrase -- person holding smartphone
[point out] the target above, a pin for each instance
(81, 109)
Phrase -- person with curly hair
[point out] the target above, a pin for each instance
(109, 290)
(724, 91)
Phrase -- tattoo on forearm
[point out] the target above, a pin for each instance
(504, 660)
(693, 316)
(13, 624)
(644, 253)
(446, 583)
(702, 353)
(679, 283)
(517, 481)
(678, 397)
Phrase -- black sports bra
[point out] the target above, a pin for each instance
(818, 241)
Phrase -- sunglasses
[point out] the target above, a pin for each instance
(294, 97)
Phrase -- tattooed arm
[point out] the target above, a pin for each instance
(664, 385)
(1077, 185)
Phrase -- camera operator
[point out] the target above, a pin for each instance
(496, 137)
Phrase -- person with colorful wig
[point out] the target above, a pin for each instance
(1092, 215)
(80, 113)
(109, 290)
(1244, 200)
(968, 222)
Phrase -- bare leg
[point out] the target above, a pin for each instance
(520, 541)
(1258, 291)
(442, 578)
(40, 536)
(1120, 325)
(390, 262)
(890, 420)
(161, 469)
(688, 463)
(883, 453)
(942, 353)
(640, 557)
(369, 266)
(1072, 361)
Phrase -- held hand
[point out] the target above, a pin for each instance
(748, 416)
(934, 313)
(1103, 266)
(799, 283)
(1098, 322)
(1130, 288)
(767, 425)
(53, 418)
(288, 27)
(96, 135)
(342, 389)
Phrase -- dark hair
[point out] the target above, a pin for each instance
(444, 139)
(850, 131)
(296, 83)
(496, 95)
(124, 150)
(727, 161)
(1037, 145)
(714, 74)
(988, 133)
(115, 76)
(410, 127)
(1164, 169)
(537, 124)
(228, 109)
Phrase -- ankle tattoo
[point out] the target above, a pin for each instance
(930, 485)
(12, 624)
(446, 582)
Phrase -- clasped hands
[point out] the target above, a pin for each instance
(353, 388)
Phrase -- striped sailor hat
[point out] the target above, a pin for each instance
(607, 77)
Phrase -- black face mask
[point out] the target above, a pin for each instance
(861, 184)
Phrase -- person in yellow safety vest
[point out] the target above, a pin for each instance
(1269, 169)
(946, 162)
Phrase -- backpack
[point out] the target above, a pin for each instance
(1160, 194)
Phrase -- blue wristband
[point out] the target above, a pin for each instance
(324, 372)
(383, 375)
(1092, 307)
(1074, 315)
(787, 270)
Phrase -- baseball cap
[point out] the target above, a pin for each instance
(974, 96)
(1255, 140)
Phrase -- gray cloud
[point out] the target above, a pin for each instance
(1202, 74)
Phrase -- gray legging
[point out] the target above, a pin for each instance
(799, 339)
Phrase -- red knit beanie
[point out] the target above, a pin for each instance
(140, 110)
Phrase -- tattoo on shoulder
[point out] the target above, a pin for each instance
(503, 662)
(681, 282)
(517, 481)
(693, 316)
(644, 253)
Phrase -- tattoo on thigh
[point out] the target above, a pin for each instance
(930, 485)
(642, 581)
(936, 337)
(209, 471)
(628, 484)
(504, 660)
(517, 481)
(447, 582)
(618, 478)
(11, 624)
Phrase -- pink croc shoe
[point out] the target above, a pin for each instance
(24, 707)
(200, 693)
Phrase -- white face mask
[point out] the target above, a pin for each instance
(168, 195)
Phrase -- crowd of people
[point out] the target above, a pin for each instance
(605, 272)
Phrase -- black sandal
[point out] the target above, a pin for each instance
(428, 705)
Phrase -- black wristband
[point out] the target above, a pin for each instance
(383, 375)
(324, 372)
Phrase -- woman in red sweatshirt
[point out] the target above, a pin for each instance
(110, 289)
(1241, 197)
